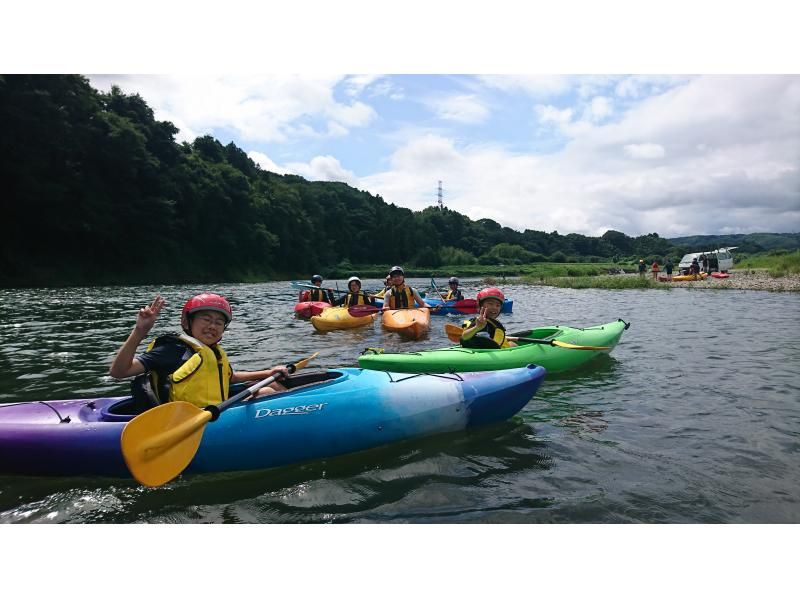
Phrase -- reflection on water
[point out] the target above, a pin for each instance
(693, 418)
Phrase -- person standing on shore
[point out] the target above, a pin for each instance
(668, 269)
(642, 267)
(704, 262)
(654, 268)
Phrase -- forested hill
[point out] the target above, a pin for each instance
(96, 191)
(750, 243)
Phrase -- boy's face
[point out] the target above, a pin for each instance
(354, 286)
(493, 307)
(207, 326)
(396, 279)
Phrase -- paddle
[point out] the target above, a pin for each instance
(438, 292)
(359, 311)
(300, 285)
(454, 334)
(159, 444)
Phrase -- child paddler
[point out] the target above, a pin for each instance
(484, 331)
(191, 366)
(399, 295)
(354, 295)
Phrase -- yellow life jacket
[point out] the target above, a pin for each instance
(203, 379)
(452, 295)
(492, 331)
(399, 298)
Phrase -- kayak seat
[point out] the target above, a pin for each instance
(306, 379)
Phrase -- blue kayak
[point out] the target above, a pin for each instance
(465, 306)
(323, 414)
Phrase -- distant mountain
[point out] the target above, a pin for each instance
(750, 243)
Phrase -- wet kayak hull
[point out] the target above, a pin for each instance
(460, 359)
(335, 412)
(408, 323)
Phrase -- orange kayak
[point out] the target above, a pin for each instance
(409, 323)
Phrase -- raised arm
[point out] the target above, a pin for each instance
(124, 363)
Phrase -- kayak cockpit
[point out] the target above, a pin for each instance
(127, 408)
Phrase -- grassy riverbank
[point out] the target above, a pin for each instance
(777, 263)
(751, 279)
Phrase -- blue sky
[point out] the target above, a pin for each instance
(673, 154)
(526, 144)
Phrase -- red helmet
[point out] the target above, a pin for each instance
(491, 293)
(208, 301)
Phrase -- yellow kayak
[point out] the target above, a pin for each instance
(337, 318)
(681, 277)
(410, 323)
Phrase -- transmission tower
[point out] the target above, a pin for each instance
(441, 203)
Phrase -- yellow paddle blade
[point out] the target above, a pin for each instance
(453, 332)
(579, 347)
(304, 362)
(158, 444)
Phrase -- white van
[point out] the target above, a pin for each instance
(719, 260)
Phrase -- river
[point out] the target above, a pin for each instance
(694, 417)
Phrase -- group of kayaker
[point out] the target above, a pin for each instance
(193, 367)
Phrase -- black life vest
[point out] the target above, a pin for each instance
(318, 294)
(357, 298)
(491, 336)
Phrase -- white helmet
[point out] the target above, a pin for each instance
(351, 279)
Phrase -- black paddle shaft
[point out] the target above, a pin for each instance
(247, 392)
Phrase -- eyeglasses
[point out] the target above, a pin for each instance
(207, 320)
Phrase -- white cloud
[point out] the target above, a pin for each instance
(733, 162)
(356, 84)
(324, 168)
(266, 163)
(460, 108)
(600, 108)
(551, 114)
(644, 151)
(256, 108)
(537, 86)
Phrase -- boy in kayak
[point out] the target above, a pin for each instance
(454, 294)
(318, 294)
(355, 296)
(400, 296)
(484, 331)
(188, 367)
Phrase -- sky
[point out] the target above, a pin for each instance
(571, 117)
(677, 155)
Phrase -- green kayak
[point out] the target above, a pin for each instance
(553, 358)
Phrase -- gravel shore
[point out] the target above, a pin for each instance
(753, 280)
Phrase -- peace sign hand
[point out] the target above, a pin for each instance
(481, 319)
(148, 314)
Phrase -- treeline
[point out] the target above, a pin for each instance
(96, 191)
(744, 243)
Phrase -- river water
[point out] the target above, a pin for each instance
(694, 418)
